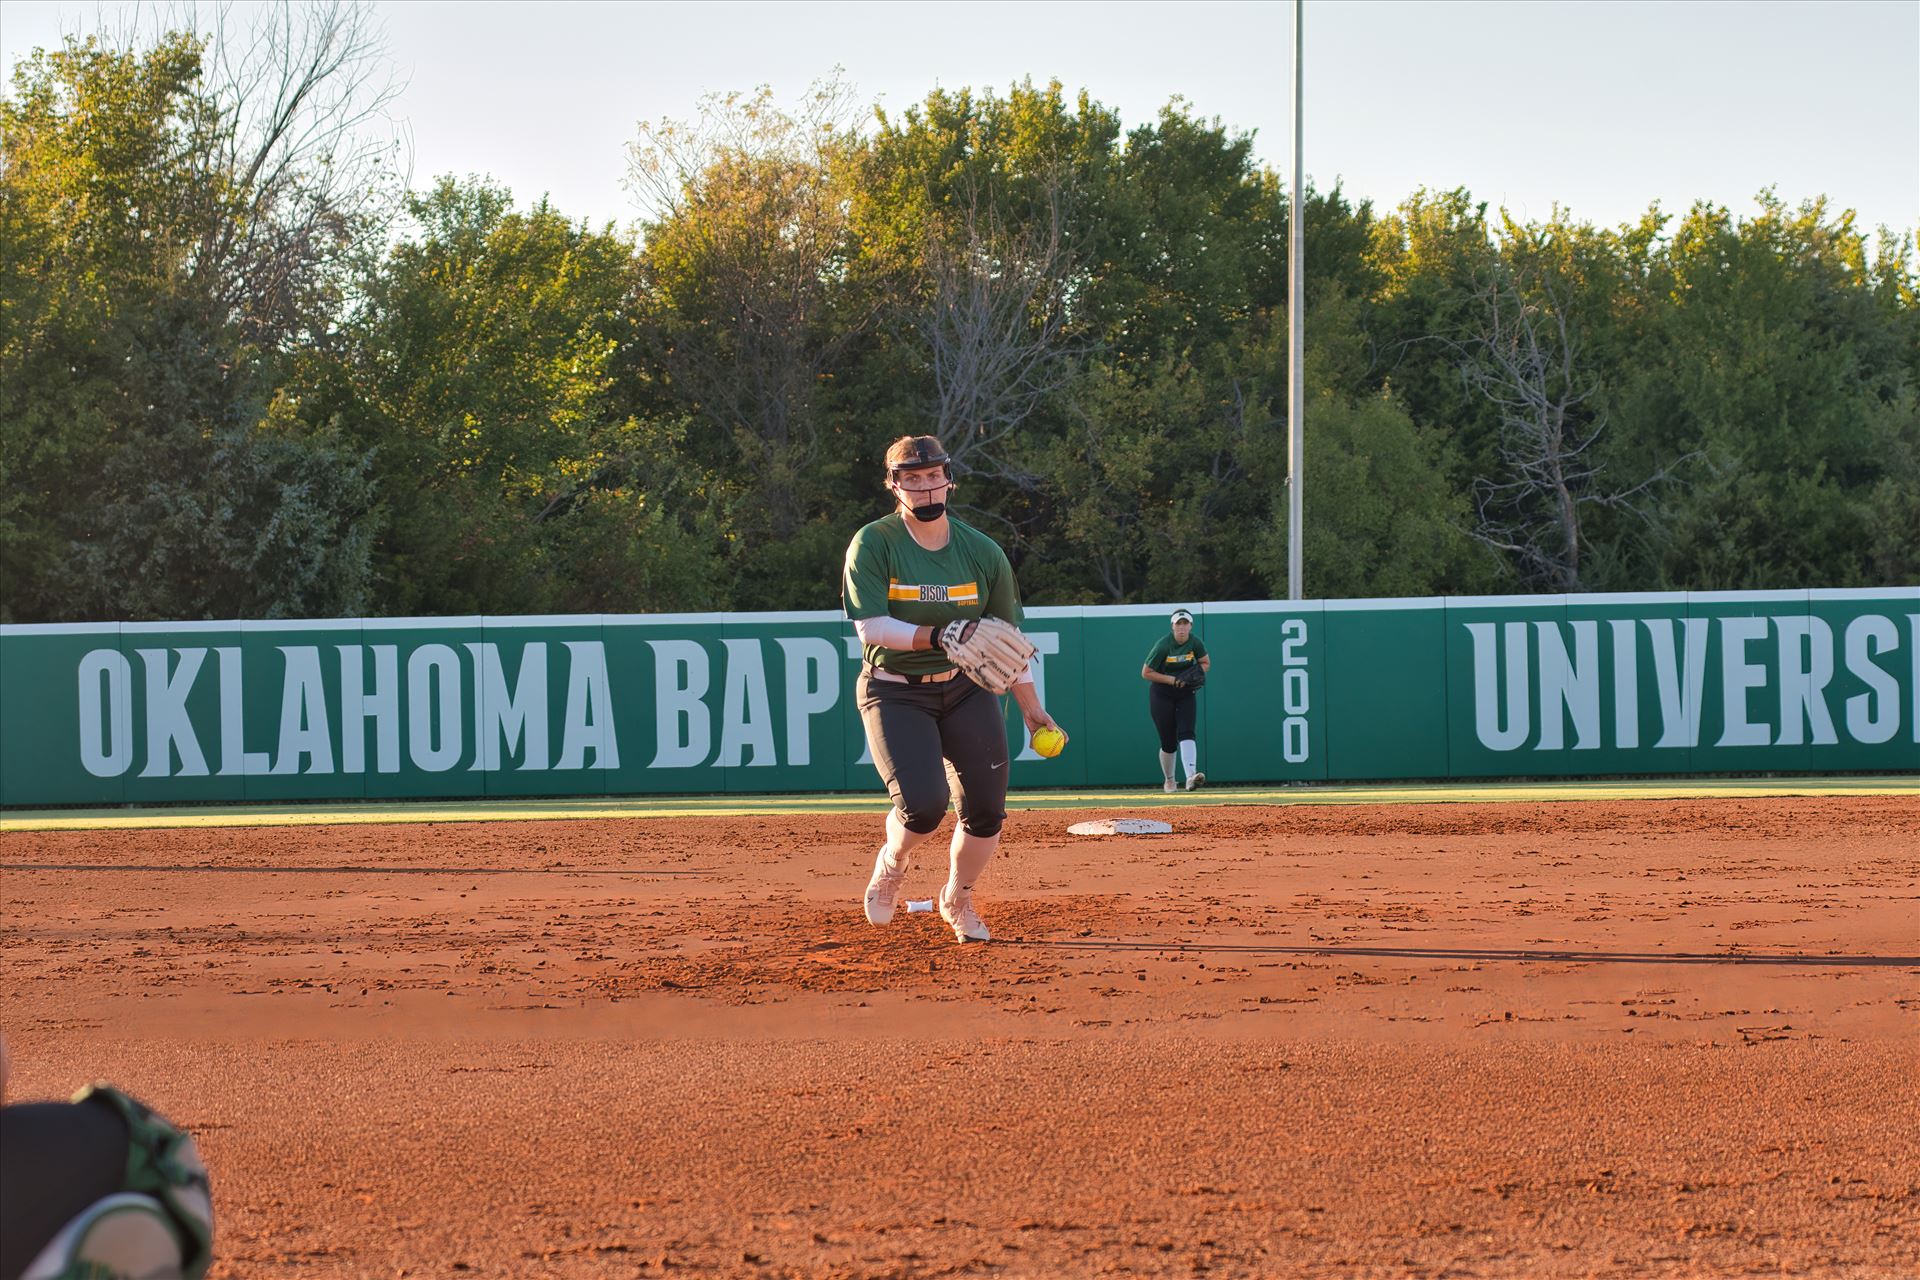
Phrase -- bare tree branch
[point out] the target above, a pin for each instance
(1526, 361)
(995, 329)
(297, 152)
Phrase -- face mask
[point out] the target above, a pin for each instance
(929, 512)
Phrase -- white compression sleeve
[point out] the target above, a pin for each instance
(888, 633)
(900, 841)
(968, 856)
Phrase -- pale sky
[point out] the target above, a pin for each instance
(1601, 107)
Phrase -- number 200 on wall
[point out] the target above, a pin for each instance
(1293, 690)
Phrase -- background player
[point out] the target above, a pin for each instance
(937, 608)
(1177, 666)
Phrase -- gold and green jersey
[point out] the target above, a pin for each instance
(1170, 659)
(888, 574)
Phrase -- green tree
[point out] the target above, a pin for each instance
(147, 470)
(983, 226)
(747, 318)
(485, 372)
(1782, 360)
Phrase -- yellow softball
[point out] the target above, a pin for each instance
(1049, 742)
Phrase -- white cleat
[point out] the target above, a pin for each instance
(1171, 785)
(958, 911)
(883, 891)
(1195, 780)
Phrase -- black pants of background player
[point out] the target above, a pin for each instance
(932, 742)
(1173, 714)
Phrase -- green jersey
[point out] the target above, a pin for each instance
(888, 574)
(1170, 659)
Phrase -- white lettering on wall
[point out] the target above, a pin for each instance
(234, 757)
(1569, 685)
(1487, 725)
(589, 722)
(382, 705)
(433, 682)
(682, 732)
(1913, 647)
(168, 725)
(1872, 717)
(1738, 679)
(106, 723)
(746, 717)
(813, 686)
(520, 715)
(1806, 669)
(1626, 683)
(1296, 693)
(304, 728)
(1680, 684)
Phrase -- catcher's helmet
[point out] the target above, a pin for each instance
(910, 452)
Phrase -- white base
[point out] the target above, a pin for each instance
(1121, 827)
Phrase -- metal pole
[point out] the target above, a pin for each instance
(1296, 327)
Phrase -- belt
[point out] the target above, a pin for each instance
(895, 677)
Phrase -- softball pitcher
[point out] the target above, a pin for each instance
(938, 613)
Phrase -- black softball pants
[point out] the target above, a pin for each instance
(935, 742)
(1173, 713)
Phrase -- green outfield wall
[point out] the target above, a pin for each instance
(1525, 686)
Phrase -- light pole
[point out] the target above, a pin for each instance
(1296, 327)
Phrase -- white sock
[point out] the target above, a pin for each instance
(900, 841)
(969, 856)
(1189, 756)
(1166, 765)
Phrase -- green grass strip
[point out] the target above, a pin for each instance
(1107, 798)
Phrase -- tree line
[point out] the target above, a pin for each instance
(245, 371)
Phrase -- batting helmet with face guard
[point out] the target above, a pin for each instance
(909, 453)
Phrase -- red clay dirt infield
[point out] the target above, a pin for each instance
(1622, 1038)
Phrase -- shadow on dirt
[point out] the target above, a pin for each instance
(1447, 953)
